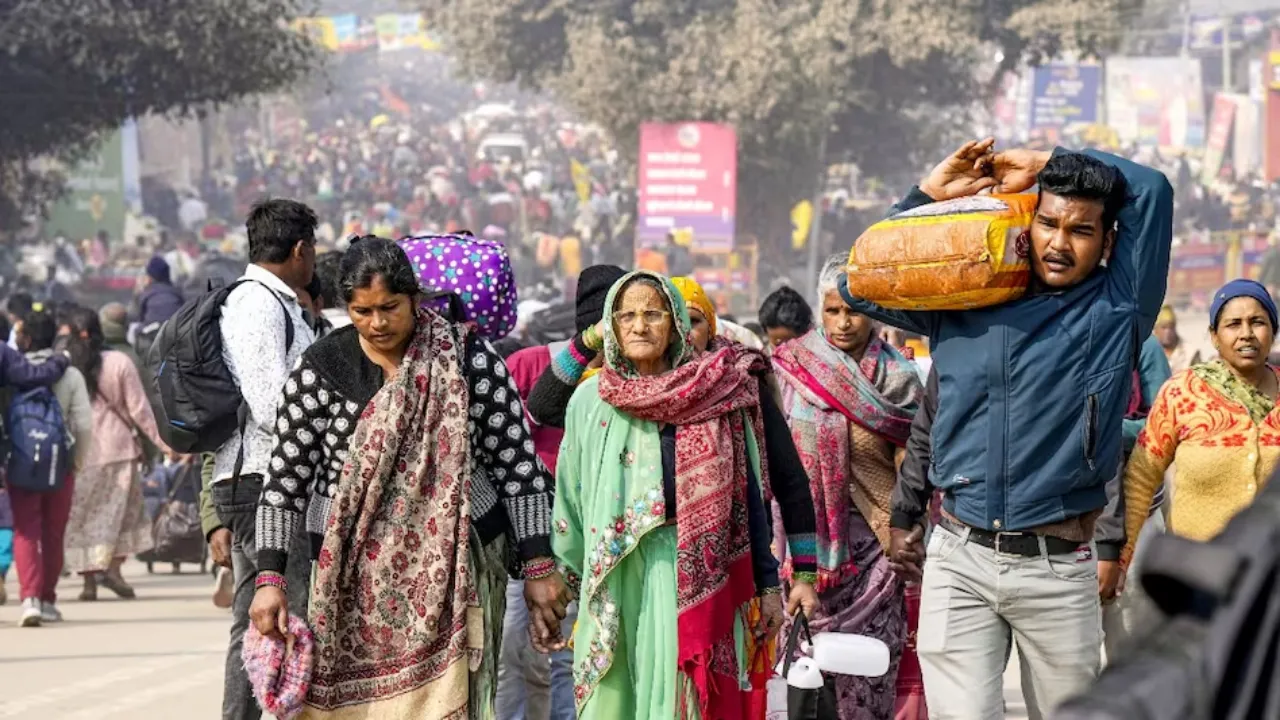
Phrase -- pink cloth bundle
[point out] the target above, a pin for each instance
(280, 672)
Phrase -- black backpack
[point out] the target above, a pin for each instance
(199, 399)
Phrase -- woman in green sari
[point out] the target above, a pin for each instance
(658, 480)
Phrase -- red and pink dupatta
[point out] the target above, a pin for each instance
(823, 391)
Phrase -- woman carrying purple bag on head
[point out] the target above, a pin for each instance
(476, 270)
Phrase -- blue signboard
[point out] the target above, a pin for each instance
(1065, 94)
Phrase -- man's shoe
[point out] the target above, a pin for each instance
(30, 613)
(225, 593)
(49, 613)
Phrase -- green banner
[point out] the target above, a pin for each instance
(95, 197)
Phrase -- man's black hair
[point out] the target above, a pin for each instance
(276, 226)
(329, 274)
(786, 308)
(40, 327)
(1076, 175)
(19, 304)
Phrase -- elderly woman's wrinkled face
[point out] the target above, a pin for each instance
(642, 323)
(846, 329)
(1244, 334)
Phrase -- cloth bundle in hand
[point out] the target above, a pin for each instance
(279, 671)
(966, 253)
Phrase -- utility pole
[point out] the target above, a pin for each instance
(1227, 85)
(1186, 28)
(815, 228)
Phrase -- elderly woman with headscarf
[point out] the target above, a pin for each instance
(788, 484)
(657, 486)
(1217, 423)
(850, 399)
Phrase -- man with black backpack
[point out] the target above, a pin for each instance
(221, 364)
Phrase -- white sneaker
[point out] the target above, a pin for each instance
(225, 593)
(30, 613)
(49, 613)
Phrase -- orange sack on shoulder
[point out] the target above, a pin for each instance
(965, 253)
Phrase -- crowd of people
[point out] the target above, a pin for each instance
(468, 518)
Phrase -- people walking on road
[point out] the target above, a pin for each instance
(662, 421)
(1126, 608)
(264, 334)
(159, 299)
(1176, 350)
(850, 399)
(1217, 423)
(369, 412)
(1019, 508)
(108, 517)
(40, 518)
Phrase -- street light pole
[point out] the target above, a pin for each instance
(815, 227)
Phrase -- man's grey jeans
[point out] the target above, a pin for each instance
(974, 601)
(237, 506)
(532, 686)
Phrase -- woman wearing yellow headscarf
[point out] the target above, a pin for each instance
(702, 312)
(1180, 356)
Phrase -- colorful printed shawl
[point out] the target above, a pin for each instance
(711, 398)
(394, 603)
(824, 391)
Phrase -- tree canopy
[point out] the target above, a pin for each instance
(73, 69)
(885, 81)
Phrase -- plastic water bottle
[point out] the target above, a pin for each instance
(848, 654)
(804, 674)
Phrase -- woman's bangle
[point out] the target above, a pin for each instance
(592, 339)
(775, 590)
(539, 569)
(805, 577)
(268, 578)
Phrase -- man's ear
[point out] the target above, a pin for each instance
(1108, 244)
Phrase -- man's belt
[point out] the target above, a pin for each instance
(1025, 544)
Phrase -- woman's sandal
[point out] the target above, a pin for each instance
(90, 591)
(118, 586)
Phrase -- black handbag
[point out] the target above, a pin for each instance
(803, 703)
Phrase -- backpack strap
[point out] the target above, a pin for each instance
(243, 412)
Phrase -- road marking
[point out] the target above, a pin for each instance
(16, 707)
(138, 698)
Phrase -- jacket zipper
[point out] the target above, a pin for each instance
(1091, 430)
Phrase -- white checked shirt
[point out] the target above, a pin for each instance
(253, 346)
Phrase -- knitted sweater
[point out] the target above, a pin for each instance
(1221, 458)
(323, 400)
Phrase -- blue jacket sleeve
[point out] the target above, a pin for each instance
(15, 371)
(1139, 266)
(1153, 371)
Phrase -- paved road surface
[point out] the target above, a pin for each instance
(157, 657)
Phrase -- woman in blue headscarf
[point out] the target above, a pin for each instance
(1217, 423)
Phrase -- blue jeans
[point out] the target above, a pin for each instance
(532, 686)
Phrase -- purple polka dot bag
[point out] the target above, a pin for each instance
(476, 270)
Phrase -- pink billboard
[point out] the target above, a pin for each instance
(688, 182)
